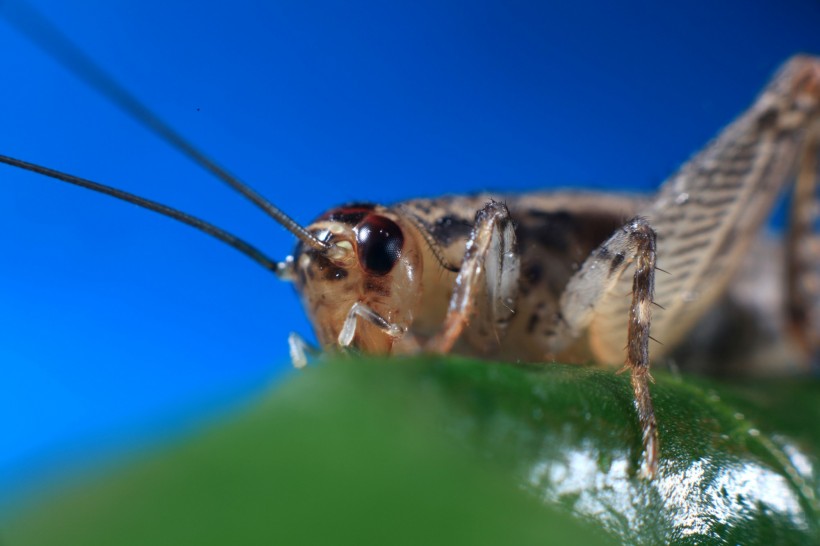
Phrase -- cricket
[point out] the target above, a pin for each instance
(572, 276)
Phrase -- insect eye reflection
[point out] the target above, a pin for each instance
(379, 242)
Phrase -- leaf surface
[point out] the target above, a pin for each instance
(452, 451)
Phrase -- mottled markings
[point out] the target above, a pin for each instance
(532, 322)
(377, 286)
(450, 228)
(330, 272)
(421, 206)
(572, 234)
(336, 274)
(549, 229)
(617, 260)
(533, 272)
(768, 119)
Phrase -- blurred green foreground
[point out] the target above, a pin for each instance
(449, 451)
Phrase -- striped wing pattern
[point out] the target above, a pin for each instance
(708, 213)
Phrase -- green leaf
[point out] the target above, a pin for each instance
(451, 451)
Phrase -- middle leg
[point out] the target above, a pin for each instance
(634, 243)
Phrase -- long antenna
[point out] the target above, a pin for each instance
(224, 236)
(39, 30)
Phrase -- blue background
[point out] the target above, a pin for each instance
(118, 326)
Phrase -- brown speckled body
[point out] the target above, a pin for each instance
(569, 276)
(706, 217)
(556, 232)
(572, 276)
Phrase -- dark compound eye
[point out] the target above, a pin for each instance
(379, 242)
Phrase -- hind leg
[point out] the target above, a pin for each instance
(803, 255)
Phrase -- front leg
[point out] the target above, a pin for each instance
(580, 304)
(487, 283)
(361, 311)
(300, 349)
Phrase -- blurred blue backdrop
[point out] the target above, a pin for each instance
(117, 324)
